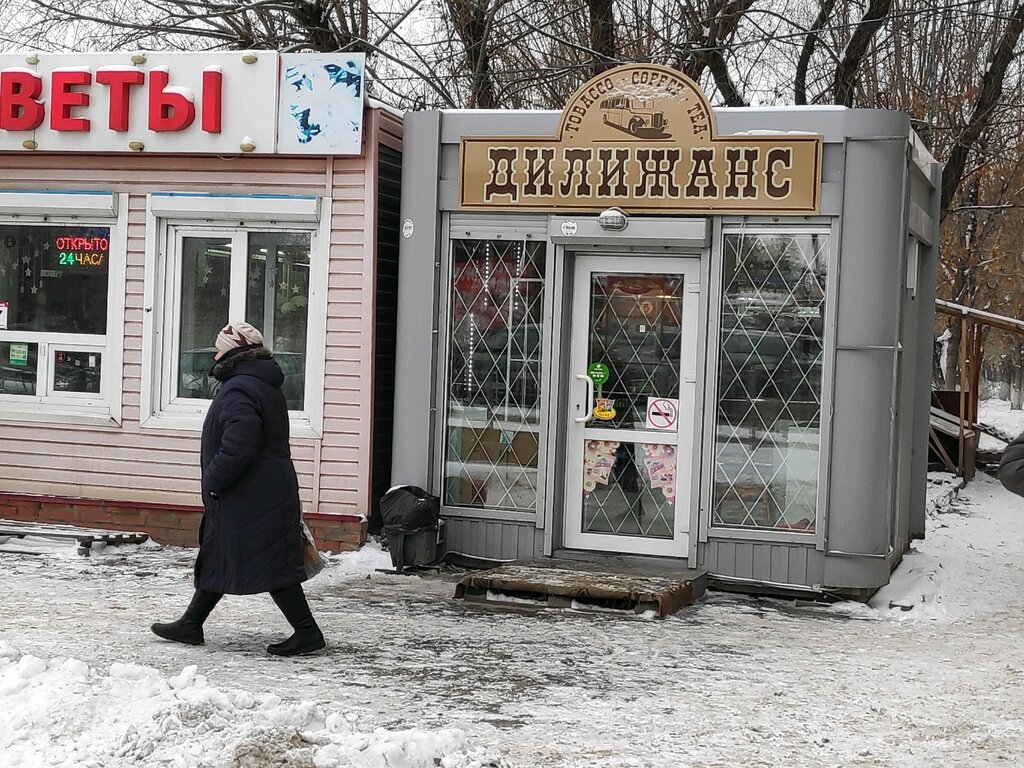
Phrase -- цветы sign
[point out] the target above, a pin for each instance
(642, 137)
(225, 103)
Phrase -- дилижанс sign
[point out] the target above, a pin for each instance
(643, 137)
(225, 103)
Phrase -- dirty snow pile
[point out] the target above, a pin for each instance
(62, 712)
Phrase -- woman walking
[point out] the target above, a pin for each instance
(250, 539)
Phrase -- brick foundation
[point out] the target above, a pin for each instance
(165, 523)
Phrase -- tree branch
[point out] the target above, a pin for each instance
(845, 81)
(800, 78)
(988, 97)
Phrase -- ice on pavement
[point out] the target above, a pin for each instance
(928, 673)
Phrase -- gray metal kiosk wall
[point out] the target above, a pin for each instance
(739, 390)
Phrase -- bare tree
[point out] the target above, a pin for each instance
(473, 21)
(985, 105)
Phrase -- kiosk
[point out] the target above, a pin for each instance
(644, 328)
(146, 199)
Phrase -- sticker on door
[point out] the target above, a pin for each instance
(662, 413)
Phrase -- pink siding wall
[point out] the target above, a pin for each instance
(132, 464)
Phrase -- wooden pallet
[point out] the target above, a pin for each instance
(581, 587)
(84, 537)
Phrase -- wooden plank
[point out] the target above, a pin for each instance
(582, 587)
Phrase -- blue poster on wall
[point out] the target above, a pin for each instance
(321, 103)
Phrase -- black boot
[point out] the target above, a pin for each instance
(189, 628)
(307, 637)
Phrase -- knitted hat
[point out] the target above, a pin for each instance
(239, 334)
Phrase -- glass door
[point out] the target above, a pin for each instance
(632, 390)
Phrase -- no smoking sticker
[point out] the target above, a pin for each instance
(662, 413)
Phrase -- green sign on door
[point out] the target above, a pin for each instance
(598, 373)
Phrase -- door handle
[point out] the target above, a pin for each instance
(590, 400)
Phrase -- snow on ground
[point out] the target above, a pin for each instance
(996, 413)
(928, 673)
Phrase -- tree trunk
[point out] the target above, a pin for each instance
(800, 81)
(602, 35)
(845, 80)
(1017, 390)
(1006, 381)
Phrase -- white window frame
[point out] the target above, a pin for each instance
(167, 223)
(79, 209)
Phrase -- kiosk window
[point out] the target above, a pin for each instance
(54, 278)
(768, 424)
(205, 285)
(75, 371)
(277, 302)
(19, 366)
(262, 276)
(494, 374)
(58, 297)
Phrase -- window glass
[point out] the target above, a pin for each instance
(19, 364)
(54, 278)
(277, 302)
(494, 374)
(76, 371)
(205, 292)
(768, 426)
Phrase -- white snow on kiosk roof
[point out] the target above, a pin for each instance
(771, 132)
(118, 68)
(786, 108)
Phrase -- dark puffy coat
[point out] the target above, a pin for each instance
(1011, 467)
(250, 536)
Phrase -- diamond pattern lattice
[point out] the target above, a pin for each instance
(635, 329)
(769, 390)
(494, 370)
(627, 490)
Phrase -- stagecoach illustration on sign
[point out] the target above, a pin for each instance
(635, 116)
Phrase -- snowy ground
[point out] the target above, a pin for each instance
(930, 673)
(996, 413)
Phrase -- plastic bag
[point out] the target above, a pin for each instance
(312, 560)
(408, 509)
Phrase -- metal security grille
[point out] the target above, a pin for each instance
(629, 502)
(769, 383)
(635, 328)
(494, 374)
(635, 323)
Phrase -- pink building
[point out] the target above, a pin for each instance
(147, 199)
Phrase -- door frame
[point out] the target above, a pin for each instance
(693, 264)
